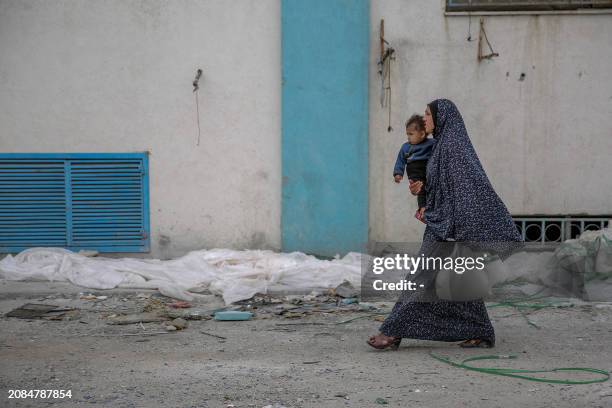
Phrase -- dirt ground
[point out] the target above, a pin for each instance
(273, 360)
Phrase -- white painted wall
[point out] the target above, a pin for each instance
(115, 76)
(545, 142)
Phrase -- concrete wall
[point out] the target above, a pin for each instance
(545, 141)
(115, 76)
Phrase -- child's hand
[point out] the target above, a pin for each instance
(398, 178)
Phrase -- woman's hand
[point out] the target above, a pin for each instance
(415, 186)
(420, 215)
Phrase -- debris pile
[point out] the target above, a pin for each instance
(159, 312)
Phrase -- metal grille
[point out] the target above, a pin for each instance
(525, 5)
(32, 203)
(107, 203)
(76, 201)
(557, 229)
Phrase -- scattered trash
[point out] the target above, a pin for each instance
(377, 317)
(31, 311)
(62, 314)
(137, 318)
(233, 315)
(44, 311)
(188, 314)
(295, 299)
(91, 296)
(293, 315)
(124, 334)
(180, 304)
(310, 362)
(214, 335)
(282, 329)
(284, 308)
(154, 305)
(366, 306)
(381, 401)
(349, 301)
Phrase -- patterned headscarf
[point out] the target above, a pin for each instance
(461, 202)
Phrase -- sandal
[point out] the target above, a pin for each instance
(476, 343)
(393, 343)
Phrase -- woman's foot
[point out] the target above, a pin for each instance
(380, 341)
(476, 343)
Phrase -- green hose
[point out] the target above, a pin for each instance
(516, 373)
(521, 305)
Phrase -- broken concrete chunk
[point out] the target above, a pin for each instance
(346, 290)
(179, 323)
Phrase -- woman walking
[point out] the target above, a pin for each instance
(461, 206)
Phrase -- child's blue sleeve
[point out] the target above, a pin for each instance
(400, 163)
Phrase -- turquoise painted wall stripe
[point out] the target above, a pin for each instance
(325, 58)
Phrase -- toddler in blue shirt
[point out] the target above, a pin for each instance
(412, 157)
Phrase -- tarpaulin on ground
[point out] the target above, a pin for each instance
(235, 275)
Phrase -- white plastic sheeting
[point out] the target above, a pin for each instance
(238, 275)
(589, 255)
(235, 275)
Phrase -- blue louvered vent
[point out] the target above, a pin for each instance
(76, 201)
(32, 203)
